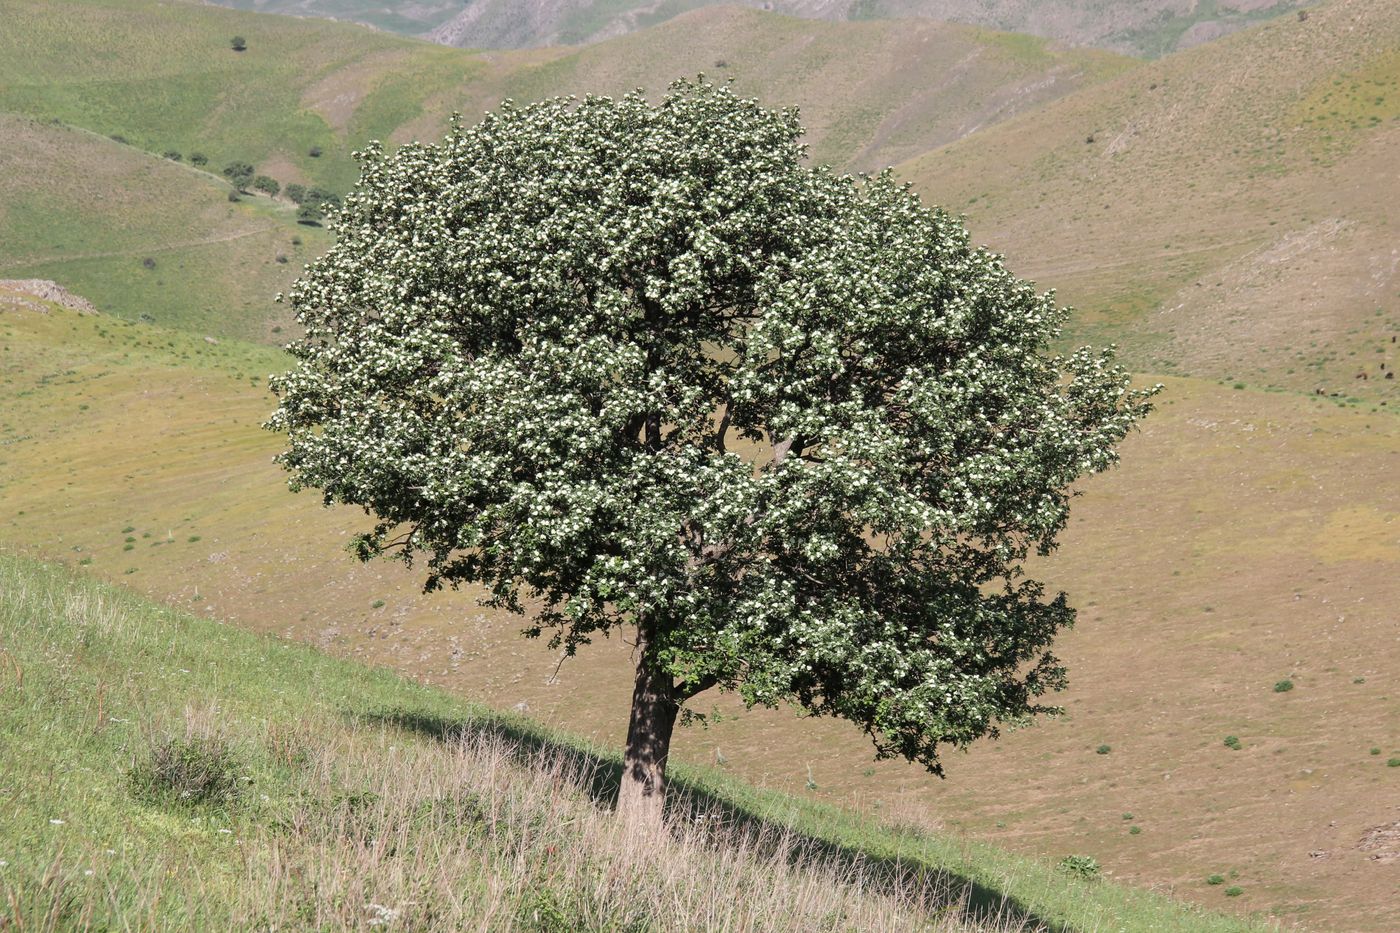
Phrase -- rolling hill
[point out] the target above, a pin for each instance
(1135, 27)
(1248, 538)
(179, 774)
(1227, 212)
(166, 78)
(93, 96)
(141, 236)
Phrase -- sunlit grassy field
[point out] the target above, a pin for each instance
(182, 774)
(1249, 537)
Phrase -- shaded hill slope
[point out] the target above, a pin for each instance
(1227, 212)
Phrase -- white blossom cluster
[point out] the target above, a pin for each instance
(642, 364)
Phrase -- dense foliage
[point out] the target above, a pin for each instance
(643, 366)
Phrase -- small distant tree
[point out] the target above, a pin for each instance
(239, 174)
(199, 158)
(314, 152)
(238, 43)
(267, 185)
(295, 193)
(172, 155)
(643, 367)
(309, 214)
(320, 197)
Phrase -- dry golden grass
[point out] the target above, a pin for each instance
(1226, 212)
(1247, 537)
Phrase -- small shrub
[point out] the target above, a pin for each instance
(1233, 742)
(1127, 816)
(1080, 866)
(1234, 891)
(238, 43)
(281, 259)
(128, 547)
(1392, 763)
(1103, 749)
(233, 197)
(314, 152)
(1216, 879)
(1375, 751)
(128, 529)
(195, 770)
(148, 263)
(118, 138)
(193, 538)
(198, 158)
(1134, 830)
(1283, 686)
(239, 174)
(172, 155)
(377, 604)
(296, 241)
(129, 538)
(1239, 385)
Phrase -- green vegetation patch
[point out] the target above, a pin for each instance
(182, 774)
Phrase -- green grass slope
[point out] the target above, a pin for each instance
(1227, 212)
(151, 239)
(163, 76)
(181, 774)
(143, 237)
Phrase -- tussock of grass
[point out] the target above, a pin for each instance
(179, 774)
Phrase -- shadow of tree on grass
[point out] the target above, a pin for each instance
(687, 801)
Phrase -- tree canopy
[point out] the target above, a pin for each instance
(643, 366)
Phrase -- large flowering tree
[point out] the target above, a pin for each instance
(640, 365)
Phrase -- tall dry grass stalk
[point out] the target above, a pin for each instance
(480, 833)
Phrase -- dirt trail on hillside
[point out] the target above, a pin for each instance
(140, 251)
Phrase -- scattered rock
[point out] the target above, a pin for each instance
(1383, 842)
(44, 290)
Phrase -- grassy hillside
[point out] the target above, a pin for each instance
(1227, 212)
(148, 238)
(165, 78)
(1248, 538)
(871, 93)
(143, 237)
(1136, 27)
(180, 774)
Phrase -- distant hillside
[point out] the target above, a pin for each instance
(141, 236)
(1228, 212)
(148, 238)
(165, 78)
(1136, 27)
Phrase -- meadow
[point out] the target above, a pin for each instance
(185, 774)
(1225, 214)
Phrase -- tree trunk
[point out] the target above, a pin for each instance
(654, 708)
